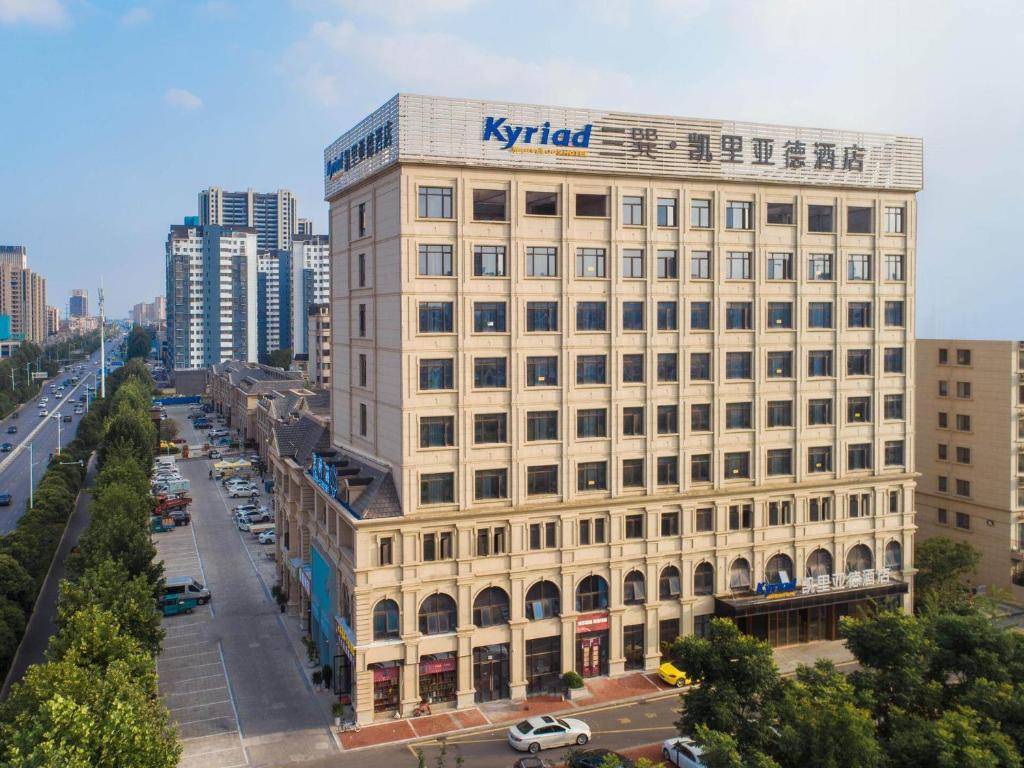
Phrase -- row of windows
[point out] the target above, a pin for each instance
(437, 260)
(963, 421)
(492, 205)
(963, 455)
(963, 487)
(492, 372)
(492, 428)
(963, 389)
(492, 484)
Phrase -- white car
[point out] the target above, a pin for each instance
(240, 492)
(544, 732)
(682, 752)
(267, 537)
(43, 413)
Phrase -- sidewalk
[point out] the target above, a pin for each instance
(600, 692)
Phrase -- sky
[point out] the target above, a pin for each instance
(116, 114)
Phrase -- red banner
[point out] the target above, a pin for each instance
(591, 622)
(385, 674)
(437, 666)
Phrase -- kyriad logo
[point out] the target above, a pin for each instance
(498, 129)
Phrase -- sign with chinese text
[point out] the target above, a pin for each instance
(591, 622)
(825, 582)
(345, 636)
(324, 475)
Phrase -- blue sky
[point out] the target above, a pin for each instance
(118, 113)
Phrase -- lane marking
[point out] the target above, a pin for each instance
(196, 706)
(231, 696)
(196, 692)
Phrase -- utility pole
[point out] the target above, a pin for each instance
(103, 349)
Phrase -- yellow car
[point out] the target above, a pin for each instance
(672, 675)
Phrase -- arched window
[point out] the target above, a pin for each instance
(542, 601)
(491, 607)
(858, 559)
(819, 563)
(779, 569)
(669, 584)
(635, 588)
(704, 579)
(437, 615)
(739, 575)
(385, 620)
(592, 594)
(894, 556)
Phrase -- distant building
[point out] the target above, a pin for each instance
(78, 304)
(274, 215)
(15, 255)
(22, 295)
(311, 282)
(274, 281)
(52, 321)
(319, 345)
(151, 313)
(305, 227)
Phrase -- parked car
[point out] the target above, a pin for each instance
(188, 587)
(180, 516)
(672, 675)
(44, 413)
(261, 515)
(239, 492)
(544, 732)
(594, 758)
(214, 454)
(532, 762)
(12, 430)
(245, 509)
(267, 537)
(6, 448)
(67, 417)
(5, 499)
(682, 752)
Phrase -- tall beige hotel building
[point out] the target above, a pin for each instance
(599, 378)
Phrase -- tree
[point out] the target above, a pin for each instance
(168, 429)
(131, 431)
(16, 584)
(958, 737)
(92, 637)
(140, 342)
(280, 358)
(943, 567)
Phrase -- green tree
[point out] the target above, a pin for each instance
(943, 568)
(133, 432)
(12, 627)
(168, 429)
(958, 737)
(16, 584)
(139, 342)
(280, 358)
(93, 637)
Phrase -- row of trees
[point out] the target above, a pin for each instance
(95, 702)
(942, 687)
(139, 343)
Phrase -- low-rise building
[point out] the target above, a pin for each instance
(235, 387)
(319, 345)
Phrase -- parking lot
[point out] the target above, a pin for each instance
(229, 673)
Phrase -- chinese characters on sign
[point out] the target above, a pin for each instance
(374, 142)
(324, 475)
(829, 582)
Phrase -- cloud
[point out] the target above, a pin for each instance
(43, 12)
(182, 99)
(137, 15)
(404, 12)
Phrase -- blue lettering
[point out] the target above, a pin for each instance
(582, 137)
(560, 138)
(512, 135)
(544, 133)
(509, 135)
(492, 128)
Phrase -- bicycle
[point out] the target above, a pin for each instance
(350, 725)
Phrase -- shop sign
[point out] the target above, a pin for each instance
(836, 581)
(345, 636)
(385, 674)
(591, 622)
(509, 135)
(769, 589)
(437, 666)
(324, 475)
(305, 574)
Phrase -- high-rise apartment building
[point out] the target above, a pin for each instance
(274, 276)
(22, 295)
(311, 283)
(15, 255)
(305, 227)
(274, 215)
(970, 452)
(52, 321)
(211, 295)
(78, 304)
(598, 378)
(319, 345)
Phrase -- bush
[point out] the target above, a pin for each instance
(572, 680)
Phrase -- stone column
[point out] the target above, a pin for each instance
(467, 690)
(517, 660)
(616, 657)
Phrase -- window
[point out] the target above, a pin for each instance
(943, 420)
(489, 316)
(943, 451)
(541, 480)
(700, 265)
(668, 582)
(737, 365)
(632, 369)
(634, 526)
(541, 425)
(591, 422)
(435, 202)
(819, 266)
(858, 410)
(780, 413)
(780, 461)
(894, 406)
(893, 360)
(362, 320)
(780, 513)
(737, 265)
(591, 316)
(362, 270)
(386, 551)
(819, 314)
(819, 411)
(436, 317)
(632, 473)
(591, 205)
(942, 483)
(819, 362)
(437, 431)
(667, 320)
(894, 220)
(668, 265)
(592, 531)
(633, 420)
(543, 536)
(592, 476)
(700, 315)
(704, 519)
(668, 367)
(963, 520)
(542, 203)
(491, 484)
(963, 357)
(819, 459)
(820, 218)
(858, 314)
(541, 316)
(436, 374)
(963, 422)
(591, 369)
(858, 362)
(385, 619)
(780, 314)
(362, 370)
(860, 506)
(590, 262)
(858, 456)
(489, 373)
(437, 488)
(819, 509)
(437, 615)
(361, 216)
(737, 465)
(668, 419)
(362, 419)
(738, 415)
(859, 220)
(489, 205)
(894, 267)
(667, 212)
(542, 371)
(541, 261)
(592, 594)
(668, 474)
(490, 607)
(489, 261)
(942, 516)
(700, 417)
(632, 211)
(737, 215)
(741, 516)
(634, 591)
(700, 366)
(700, 214)
(780, 213)
(859, 267)
(632, 316)
(894, 314)
(490, 428)
(943, 389)
(700, 468)
(963, 389)
(780, 365)
(632, 263)
(894, 453)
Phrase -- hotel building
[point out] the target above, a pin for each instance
(599, 377)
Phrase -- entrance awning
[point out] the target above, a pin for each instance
(753, 605)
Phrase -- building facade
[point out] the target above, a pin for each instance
(596, 379)
(274, 292)
(235, 388)
(78, 304)
(274, 215)
(52, 321)
(311, 283)
(22, 295)
(319, 345)
(970, 453)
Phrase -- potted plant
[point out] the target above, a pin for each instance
(311, 651)
(337, 709)
(318, 677)
(574, 685)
